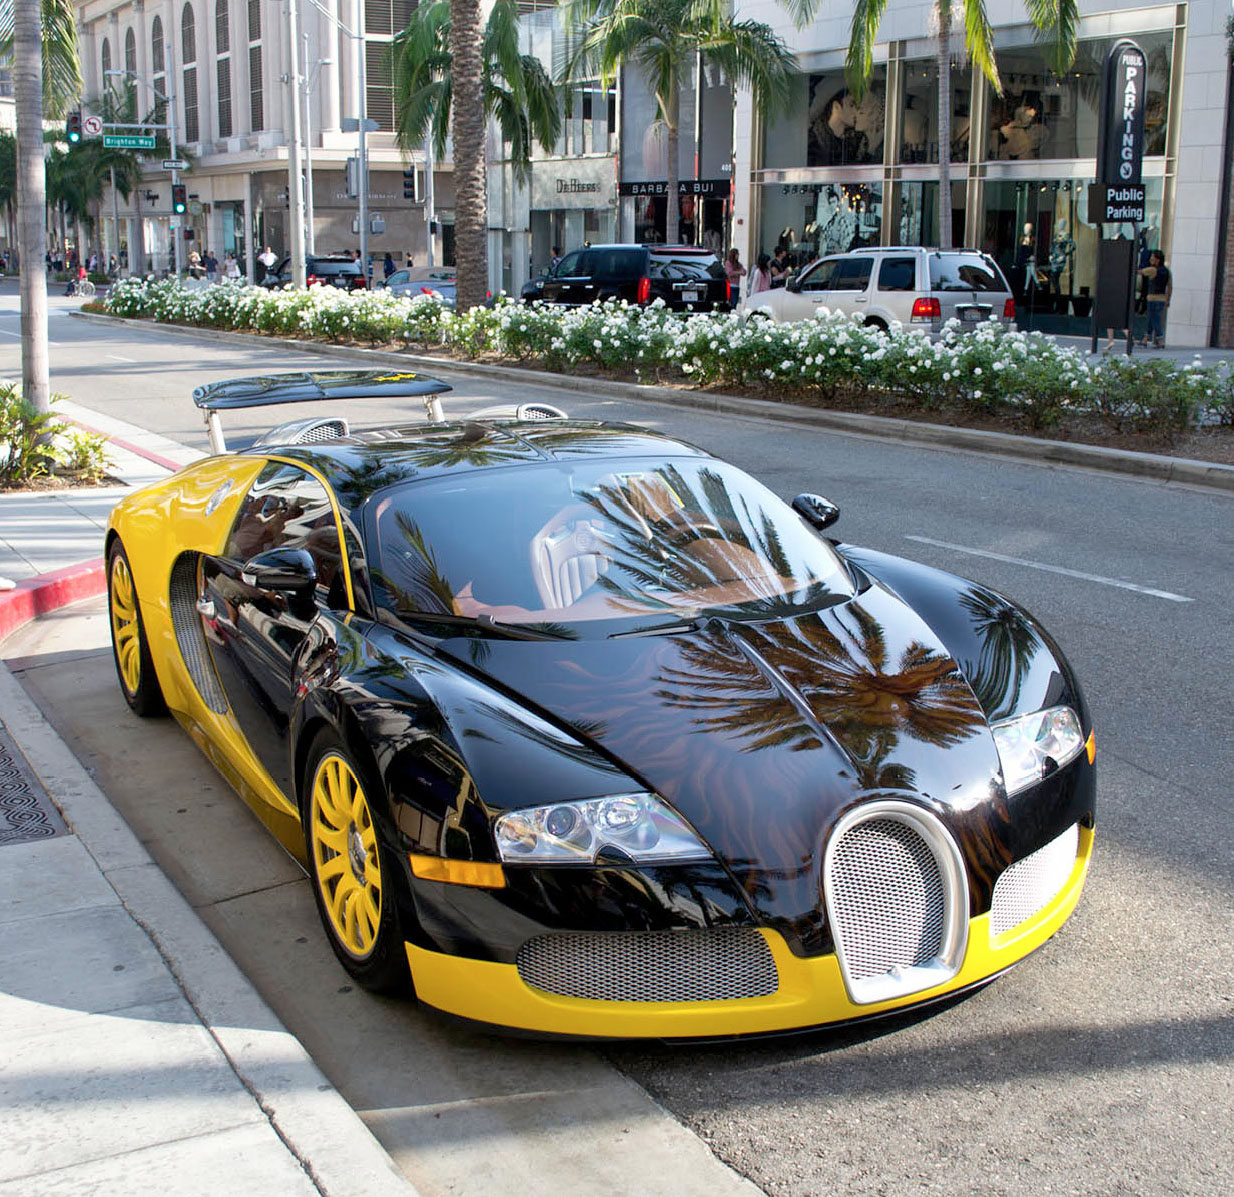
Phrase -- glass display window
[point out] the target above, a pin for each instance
(844, 131)
(919, 119)
(805, 221)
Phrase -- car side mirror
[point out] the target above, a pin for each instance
(285, 571)
(792, 283)
(818, 512)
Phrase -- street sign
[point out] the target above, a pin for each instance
(1116, 205)
(175, 164)
(128, 141)
(351, 124)
(91, 126)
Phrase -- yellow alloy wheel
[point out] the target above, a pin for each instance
(345, 859)
(126, 633)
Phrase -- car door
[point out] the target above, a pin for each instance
(895, 289)
(558, 281)
(261, 643)
(850, 287)
(398, 282)
(812, 291)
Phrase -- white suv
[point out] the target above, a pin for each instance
(919, 288)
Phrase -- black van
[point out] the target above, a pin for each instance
(688, 279)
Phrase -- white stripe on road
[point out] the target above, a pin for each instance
(9, 333)
(1054, 569)
(115, 357)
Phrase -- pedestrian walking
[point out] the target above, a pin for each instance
(1160, 288)
(211, 263)
(760, 279)
(266, 262)
(734, 271)
(555, 258)
(233, 267)
(387, 266)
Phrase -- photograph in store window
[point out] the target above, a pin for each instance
(844, 131)
(804, 221)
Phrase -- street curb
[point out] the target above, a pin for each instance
(44, 593)
(1151, 466)
(320, 1129)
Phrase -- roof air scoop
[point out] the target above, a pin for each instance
(520, 411)
(312, 431)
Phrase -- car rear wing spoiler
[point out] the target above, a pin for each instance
(270, 390)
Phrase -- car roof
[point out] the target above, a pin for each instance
(367, 461)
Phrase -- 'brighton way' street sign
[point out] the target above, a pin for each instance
(128, 141)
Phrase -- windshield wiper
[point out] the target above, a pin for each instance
(485, 623)
(661, 629)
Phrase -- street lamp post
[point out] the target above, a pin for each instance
(309, 79)
(295, 183)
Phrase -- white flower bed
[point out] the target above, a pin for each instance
(1025, 375)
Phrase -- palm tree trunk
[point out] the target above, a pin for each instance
(470, 176)
(944, 124)
(672, 114)
(31, 196)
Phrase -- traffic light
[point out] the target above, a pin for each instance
(179, 198)
(409, 184)
(72, 126)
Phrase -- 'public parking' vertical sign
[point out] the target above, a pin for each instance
(1126, 84)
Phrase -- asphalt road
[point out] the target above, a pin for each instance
(1102, 1065)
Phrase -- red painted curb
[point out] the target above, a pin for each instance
(48, 592)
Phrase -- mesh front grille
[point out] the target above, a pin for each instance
(189, 636)
(685, 966)
(1032, 883)
(888, 898)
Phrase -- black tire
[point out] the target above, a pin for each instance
(359, 902)
(881, 325)
(130, 648)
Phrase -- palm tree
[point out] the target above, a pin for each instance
(1054, 22)
(516, 91)
(665, 39)
(46, 78)
(466, 42)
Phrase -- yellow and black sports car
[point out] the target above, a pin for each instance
(583, 731)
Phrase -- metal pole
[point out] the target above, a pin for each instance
(295, 191)
(115, 215)
(176, 235)
(310, 238)
(430, 211)
(362, 75)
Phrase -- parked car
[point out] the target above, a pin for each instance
(917, 287)
(412, 281)
(337, 270)
(579, 729)
(687, 279)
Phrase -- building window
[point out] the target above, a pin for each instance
(188, 40)
(257, 111)
(919, 116)
(222, 44)
(130, 52)
(382, 19)
(158, 63)
(106, 57)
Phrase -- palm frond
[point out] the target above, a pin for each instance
(1056, 27)
(859, 63)
(979, 41)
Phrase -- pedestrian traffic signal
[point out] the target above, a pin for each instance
(179, 198)
(409, 184)
(72, 126)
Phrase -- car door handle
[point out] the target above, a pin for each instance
(861, 299)
(206, 608)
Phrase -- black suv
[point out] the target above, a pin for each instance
(686, 278)
(334, 271)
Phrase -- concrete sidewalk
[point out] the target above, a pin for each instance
(134, 1054)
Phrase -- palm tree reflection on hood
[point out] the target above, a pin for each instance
(1009, 644)
(783, 683)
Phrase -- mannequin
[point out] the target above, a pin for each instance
(1023, 134)
(1062, 251)
(1025, 267)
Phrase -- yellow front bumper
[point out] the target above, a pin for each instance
(811, 992)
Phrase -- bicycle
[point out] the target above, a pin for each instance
(82, 288)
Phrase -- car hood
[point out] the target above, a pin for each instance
(762, 734)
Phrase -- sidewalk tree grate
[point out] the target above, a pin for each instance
(26, 813)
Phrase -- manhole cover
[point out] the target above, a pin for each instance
(26, 813)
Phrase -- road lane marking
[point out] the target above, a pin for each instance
(115, 357)
(9, 333)
(1054, 569)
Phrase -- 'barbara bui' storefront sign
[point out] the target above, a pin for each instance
(1121, 154)
(712, 188)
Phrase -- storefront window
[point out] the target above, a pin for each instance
(1042, 115)
(809, 220)
(919, 140)
(917, 217)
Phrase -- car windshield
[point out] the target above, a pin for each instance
(618, 548)
(964, 272)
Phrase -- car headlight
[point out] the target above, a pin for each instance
(1030, 746)
(637, 826)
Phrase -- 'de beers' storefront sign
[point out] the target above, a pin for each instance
(1118, 195)
(582, 183)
